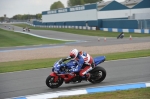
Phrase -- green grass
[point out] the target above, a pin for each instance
(142, 93)
(9, 38)
(86, 32)
(45, 63)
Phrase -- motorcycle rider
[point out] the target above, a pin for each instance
(83, 59)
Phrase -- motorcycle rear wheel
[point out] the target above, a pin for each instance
(98, 74)
(51, 84)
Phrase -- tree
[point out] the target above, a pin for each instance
(81, 2)
(26, 16)
(56, 5)
(38, 16)
(2, 19)
(75, 2)
(92, 1)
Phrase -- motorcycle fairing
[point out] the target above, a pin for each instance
(99, 59)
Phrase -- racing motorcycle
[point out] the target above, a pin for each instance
(60, 73)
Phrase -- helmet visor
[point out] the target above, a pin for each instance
(72, 55)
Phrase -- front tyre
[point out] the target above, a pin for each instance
(98, 74)
(51, 84)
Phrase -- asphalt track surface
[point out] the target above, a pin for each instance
(90, 40)
(33, 81)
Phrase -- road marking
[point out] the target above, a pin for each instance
(31, 48)
(80, 91)
(43, 36)
(147, 84)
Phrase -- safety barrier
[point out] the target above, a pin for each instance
(60, 26)
(126, 30)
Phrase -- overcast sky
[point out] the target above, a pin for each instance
(13, 7)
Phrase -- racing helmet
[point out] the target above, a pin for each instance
(74, 53)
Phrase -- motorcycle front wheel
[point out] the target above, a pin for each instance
(51, 84)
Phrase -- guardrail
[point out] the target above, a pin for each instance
(147, 31)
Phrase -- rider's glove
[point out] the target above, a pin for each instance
(60, 62)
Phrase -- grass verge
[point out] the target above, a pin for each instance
(45, 63)
(86, 32)
(9, 38)
(143, 93)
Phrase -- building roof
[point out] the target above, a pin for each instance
(128, 3)
(110, 5)
(102, 4)
(131, 3)
(142, 4)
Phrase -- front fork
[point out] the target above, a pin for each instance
(53, 74)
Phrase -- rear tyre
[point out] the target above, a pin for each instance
(51, 84)
(98, 74)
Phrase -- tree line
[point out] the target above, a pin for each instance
(80, 2)
(26, 16)
(55, 5)
(23, 17)
(59, 4)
